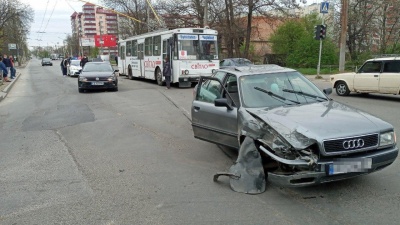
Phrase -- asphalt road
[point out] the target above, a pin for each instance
(129, 157)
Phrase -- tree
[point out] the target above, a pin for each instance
(15, 20)
(295, 38)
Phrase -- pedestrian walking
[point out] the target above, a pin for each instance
(167, 72)
(84, 60)
(12, 69)
(4, 69)
(64, 65)
(116, 59)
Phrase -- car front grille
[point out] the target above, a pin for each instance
(351, 144)
(95, 78)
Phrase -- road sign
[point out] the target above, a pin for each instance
(324, 7)
(12, 46)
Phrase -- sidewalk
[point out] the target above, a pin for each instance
(5, 87)
(314, 77)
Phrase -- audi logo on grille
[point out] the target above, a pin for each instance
(353, 144)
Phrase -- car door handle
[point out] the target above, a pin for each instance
(376, 75)
(196, 108)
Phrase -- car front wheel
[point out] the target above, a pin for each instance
(342, 89)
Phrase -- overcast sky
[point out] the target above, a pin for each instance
(53, 17)
(52, 20)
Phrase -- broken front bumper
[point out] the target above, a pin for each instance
(379, 160)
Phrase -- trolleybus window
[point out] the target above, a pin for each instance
(156, 45)
(134, 48)
(128, 48)
(147, 46)
(208, 47)
(187, 46)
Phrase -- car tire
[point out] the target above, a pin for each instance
(80, 90)
(115, 89)
(342, 89)
(159, 77)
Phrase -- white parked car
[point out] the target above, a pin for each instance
(380, 75)
(74, 69)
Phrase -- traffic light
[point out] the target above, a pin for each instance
(322, 32)
(317, 32)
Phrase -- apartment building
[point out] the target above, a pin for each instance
(92, 22)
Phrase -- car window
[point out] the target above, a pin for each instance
(224, 63)
(219, 75)
(209, 91)
(371, 67)
(231, 86)
(75, 62)
(97, 67)
(283, 84)
(392, 66)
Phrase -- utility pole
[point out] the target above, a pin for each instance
(343, 35)
(101, 40)
(205, 13)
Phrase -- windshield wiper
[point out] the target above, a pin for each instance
(270, 93)
(316, 97)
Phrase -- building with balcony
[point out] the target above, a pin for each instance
(94, 20)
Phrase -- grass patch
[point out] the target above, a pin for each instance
(328, 70)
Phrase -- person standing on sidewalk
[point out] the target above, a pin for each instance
(167, 72)
(4, 69)
(12, 68)
(7, 62)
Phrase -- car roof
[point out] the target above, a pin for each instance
(98, 62)
(384, 59)
(256, 69)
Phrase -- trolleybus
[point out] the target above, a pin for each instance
(192, 52)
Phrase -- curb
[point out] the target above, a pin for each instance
(4, 92)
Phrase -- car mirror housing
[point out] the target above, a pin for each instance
(327, 91)
(222, 102)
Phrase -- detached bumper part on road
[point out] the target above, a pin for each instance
(380, 160)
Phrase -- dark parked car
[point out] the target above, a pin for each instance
(302, 136)
(46, 62)
(232, 62)
(98, 76)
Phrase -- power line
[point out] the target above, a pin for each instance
(44, 15)
(50, 16)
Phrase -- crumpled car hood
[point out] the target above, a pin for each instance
(319, 121)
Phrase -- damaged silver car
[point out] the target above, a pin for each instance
(287, 131)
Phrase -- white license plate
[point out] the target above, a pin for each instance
(98, 83)
(353, 165)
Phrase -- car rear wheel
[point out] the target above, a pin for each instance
(342, 89)
(159, 77)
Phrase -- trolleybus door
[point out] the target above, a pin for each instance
(141, 61)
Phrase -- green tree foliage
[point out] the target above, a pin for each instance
(295, 38)
(94, 52)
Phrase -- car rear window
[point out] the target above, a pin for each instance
(392, 66)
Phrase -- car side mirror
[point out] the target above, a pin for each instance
(222, 102)
(327, 91)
